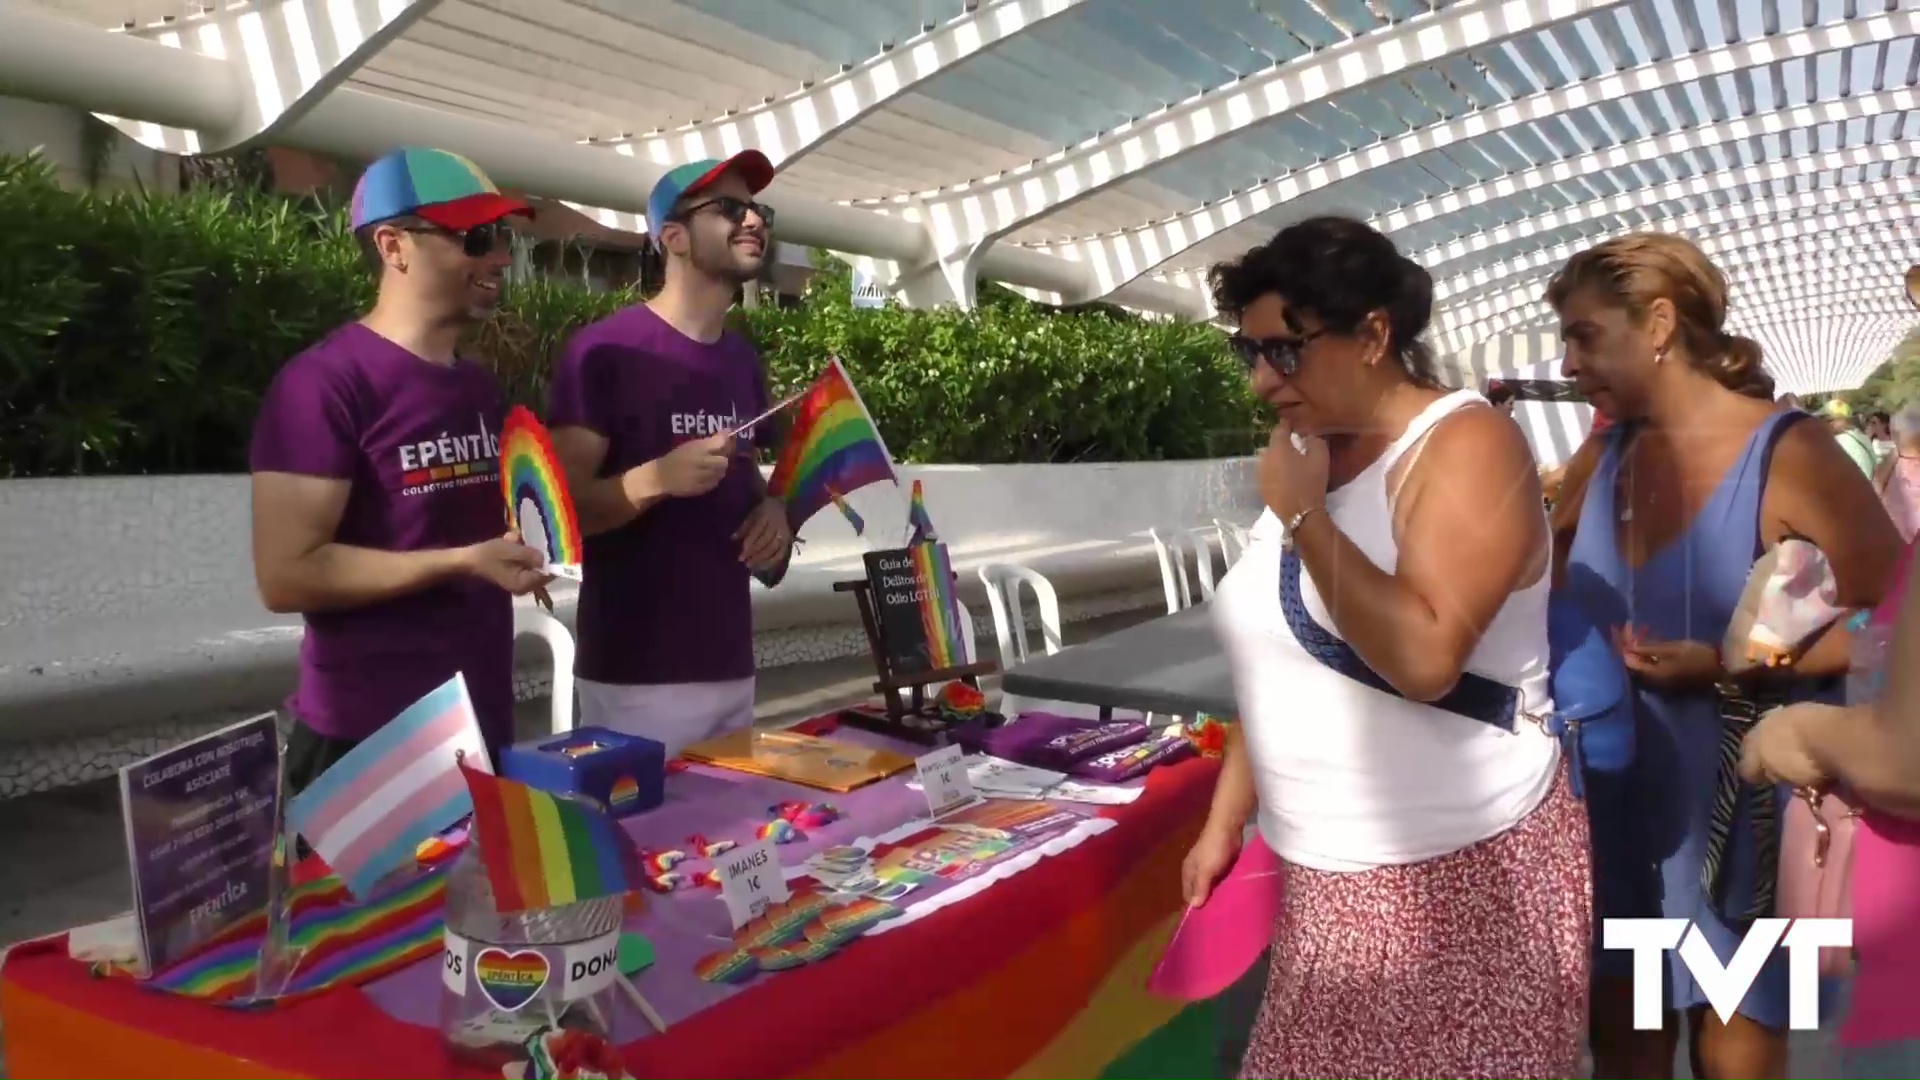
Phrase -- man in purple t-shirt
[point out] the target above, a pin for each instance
(643, 407)
(376, 490)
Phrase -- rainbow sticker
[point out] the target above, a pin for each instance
(624, 791)
(538, 502)
(510, 980)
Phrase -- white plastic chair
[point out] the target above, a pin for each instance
(1234, 540)
(535, 622)
(1003, 582)
(966, 632)
(1174, 549)
(1203, 540)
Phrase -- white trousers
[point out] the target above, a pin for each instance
(675, 715)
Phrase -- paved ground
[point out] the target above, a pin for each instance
(65, 861)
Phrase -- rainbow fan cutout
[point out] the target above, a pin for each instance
(538, 502)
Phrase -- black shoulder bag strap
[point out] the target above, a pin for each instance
(1740, 708)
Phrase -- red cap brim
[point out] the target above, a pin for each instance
(751, 166)
(473, 210)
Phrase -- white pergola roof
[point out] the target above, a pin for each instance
(1113, 149)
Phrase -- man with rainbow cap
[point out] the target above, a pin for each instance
(376, 488)
(643, 406)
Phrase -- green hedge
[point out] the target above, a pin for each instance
(136, 334)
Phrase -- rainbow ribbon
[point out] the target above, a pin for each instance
(342, 943)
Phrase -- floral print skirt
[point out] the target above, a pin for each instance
(1473, 964)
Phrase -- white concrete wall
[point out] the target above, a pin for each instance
(56, 132)
(128, 612)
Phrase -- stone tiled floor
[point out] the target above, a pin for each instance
(64, 858)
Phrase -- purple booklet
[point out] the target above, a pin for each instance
(1051, 741)
(1127, 762)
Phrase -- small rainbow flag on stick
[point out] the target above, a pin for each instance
(538, 502)
(832, 448)
(919, 525)
(854, 519)
(544, 850)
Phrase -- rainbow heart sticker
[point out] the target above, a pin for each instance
(510, 980)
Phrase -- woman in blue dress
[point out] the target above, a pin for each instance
(1697, 479)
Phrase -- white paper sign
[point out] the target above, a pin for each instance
(455, 954)
(943, 777)
(591, 966)
(751, 881)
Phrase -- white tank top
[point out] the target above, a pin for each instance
(1350, 778)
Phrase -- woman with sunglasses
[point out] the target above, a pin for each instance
(376, 487)
(1388, 635)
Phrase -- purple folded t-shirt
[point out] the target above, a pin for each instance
(1130, 761)
(1050, 741)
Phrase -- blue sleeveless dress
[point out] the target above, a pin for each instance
(1651, 822)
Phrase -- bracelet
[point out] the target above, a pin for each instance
(1293, 523)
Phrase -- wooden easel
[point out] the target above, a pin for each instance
(890, 684)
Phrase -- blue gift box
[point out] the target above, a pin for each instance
(621, 772)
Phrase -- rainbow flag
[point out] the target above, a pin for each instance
(919, 524)
(544, 850)
(854, 519)
(342, 942)
(832, 447)
(939, 606)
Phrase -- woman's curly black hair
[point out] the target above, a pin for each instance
(1339, 270)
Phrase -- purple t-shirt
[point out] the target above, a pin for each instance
(419, 443)
(665, 598)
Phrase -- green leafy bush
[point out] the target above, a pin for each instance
(136, 334)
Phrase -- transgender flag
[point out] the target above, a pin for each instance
(370, 812)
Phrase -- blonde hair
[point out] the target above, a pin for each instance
(1631, 272)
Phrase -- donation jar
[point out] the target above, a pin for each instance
(516, 984)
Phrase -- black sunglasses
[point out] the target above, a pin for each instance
(734, 210)
(477, 242)
(1280, 354)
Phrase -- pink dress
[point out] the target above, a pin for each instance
(1901, 495)
(1886, 938)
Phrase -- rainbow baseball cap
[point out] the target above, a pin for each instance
(435, 185)
(751, 166)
